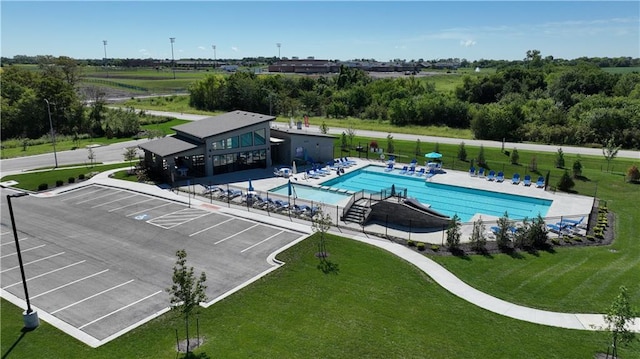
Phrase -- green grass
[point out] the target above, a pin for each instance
(31, 180)
(375, 306)
(621, 70)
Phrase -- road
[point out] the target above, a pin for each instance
(114, 152)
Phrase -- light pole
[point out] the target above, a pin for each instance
(214, 56)
(278, 45)
(173, 62)
(30, 317)
(104, 43)
(53, 136)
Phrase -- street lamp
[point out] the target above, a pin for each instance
(53, 136)
(173, 62)
(30, 317)
(104, 42)
(214, 56)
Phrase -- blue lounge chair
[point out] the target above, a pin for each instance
(472, 172)
(491, 176)
(404, 170)
(312, 174)
(389, 167)
(411, 171)
(500, 177)
(431, 173)
(516, 178)
(212, 190)
(481, 172)
(572, 222)
(281, 205)
(540, 182)
(420, 172)
(348, 161)
(559, 229)
(259, 202)
(527, 180)
(271, 204)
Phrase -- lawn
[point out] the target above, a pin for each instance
(374, 306)
(31, 180)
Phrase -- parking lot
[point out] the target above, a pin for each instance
(98, 260)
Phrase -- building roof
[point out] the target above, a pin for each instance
(167, 146)
(216, 125)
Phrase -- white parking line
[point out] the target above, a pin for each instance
(115, 200)
(13, 242)
(177, 218)
(80, 195)
(35, 261)
(233, 235)
(262, 241)
(4, 234)
(208, 228)
(148, 209)
(43, 274)
(22, 251)
(68, 284)
(118, 310)
(132, 204)
(94, 198)
(93, 296)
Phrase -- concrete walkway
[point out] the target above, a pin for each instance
(443, 277)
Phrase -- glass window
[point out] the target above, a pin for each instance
(232, 142)
(259, 137)
(246, 139)
(218, 145)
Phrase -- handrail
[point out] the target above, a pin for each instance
(354, 197)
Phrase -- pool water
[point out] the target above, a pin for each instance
(311, 193)
(446, 199)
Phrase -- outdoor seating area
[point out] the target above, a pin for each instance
(498, 177)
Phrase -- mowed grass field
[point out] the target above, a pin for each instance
(374, 306)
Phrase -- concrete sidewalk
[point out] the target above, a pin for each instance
(580, 321)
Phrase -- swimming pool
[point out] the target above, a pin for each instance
(446, 199)
(312, 193)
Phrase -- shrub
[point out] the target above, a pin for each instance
(411, 243)
(578, 239)
(515, 157)
(633, 173)
(591, 238)
(555, 241)
(43, 187)
(71, 180)
(59, 183)
(81, 176)
(420, 246)
(435, 247)
(462, 152)
(577, 169)
(566, 183)
(566, 239)
(560, 158)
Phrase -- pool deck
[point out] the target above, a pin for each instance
(564, 206)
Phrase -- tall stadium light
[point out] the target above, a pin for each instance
(53, 135)
(30, 316)
(278, 45)
(104, 43)
(214, 56)
(173, 62)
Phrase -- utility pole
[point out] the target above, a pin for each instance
(278, 45)
(173, 62)
(214, 56)
(53, 135)
(104, 43)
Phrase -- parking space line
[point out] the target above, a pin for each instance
(80, 195)
(22, 251)
(179, 222)
(121, 309)
(4, 234)
(115, 200)
(68, 284)
(148, 209)
(35, 261)
(132, 204)
(262, 241)
(92, 296)
(43, 274)
(208, 228)
(94, 198)
(233, 235)
(12, 242)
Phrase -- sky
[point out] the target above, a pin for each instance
(333, 30)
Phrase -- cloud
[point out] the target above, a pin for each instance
(234, 48)
(467, 43)
(202, 48)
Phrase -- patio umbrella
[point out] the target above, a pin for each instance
(290, 189)
(295, 170)
(250, 189)
(433, 155)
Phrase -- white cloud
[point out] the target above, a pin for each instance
(234, 48)
(467, 43)
(202, 48)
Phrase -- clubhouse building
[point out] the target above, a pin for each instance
(230, 142)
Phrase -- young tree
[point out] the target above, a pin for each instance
(533, 166)
(577, 168)
(453, 233)
(521, 235)
(418, 150)
(462, 152)
(130, 154)
(390, 147)
(478, 239)
(351, 133)
(560, 158)
(515, 157)
(324, 129)
(504, 228)
(565, 183)
(321, 223)
(610, 151)
(619, 318)
(91, 155)
(343, 141)
(436, 148)
(186, 292)
(481, 160)
(538, 232)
